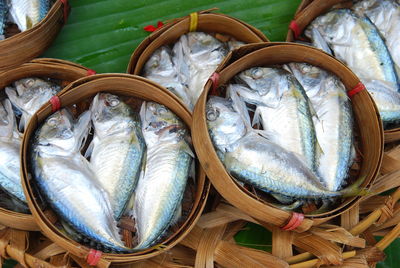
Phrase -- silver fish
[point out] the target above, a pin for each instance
(28, 13)
(333, 122)
(29, 94)
(3, 17)
(66, 181)
(203, 53)
(357, 42)
(385, 14)
(117, 148)
(10, 142)
(159, 194)
(284, 109)
(253, 159)
(162, 70)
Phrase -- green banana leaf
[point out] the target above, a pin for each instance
(102, 34)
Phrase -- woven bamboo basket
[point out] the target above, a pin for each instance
(305, 14)
(29, 44)
(32, 249)
(370, 135)
(48, 68)
(205, 21)
(80, 92)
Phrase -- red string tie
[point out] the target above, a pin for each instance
(91, 72)
(294, 222)
(55, 103)
(358, 88)
(214, 79)
(151, 28)
(295, 28)
(66, 8)
(93, 257)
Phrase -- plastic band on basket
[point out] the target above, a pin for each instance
(295, 28)
(66, 7)
(294, 222)
(91, 72)
(215, 80)
(55, 103)
(194, 19)
(358, 88)
(152, 28)
(93, 257)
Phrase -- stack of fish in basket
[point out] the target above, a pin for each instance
(113, 166)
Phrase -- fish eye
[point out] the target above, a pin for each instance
(66, 133)
(306, 69)
(162, 110)
(212, 115)
(112, 101)
(52, 122)
(257, 73)
(29, 82)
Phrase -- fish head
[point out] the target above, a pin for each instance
(160, 63)
(110, 114)
(225, 124)
(205, 48)
(7, 120)
(160, 124)
(32, 93)
(335, 26)
(58, 130)
(265, 85)
(309, 76)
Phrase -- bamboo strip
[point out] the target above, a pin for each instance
(282, 243)
(206, 247)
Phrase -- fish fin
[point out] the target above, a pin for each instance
(22, 122)
(318, 41)
(239, 105)
(82, 128)
(257, 118)
(89, 149)
(325, 207)
(142, 112)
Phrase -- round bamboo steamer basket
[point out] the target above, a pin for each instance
(82, 90)
(206, 22)
(306, 13)
(29, 44)
(366, 116)
(47, 68)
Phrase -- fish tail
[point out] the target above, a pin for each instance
(355, 190)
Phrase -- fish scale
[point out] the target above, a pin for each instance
(64, 177)
(333, 122)
(3, 17)
(255, 160)
(117, 148)
(27, 14)
(283, 108)
(10, 142)
(385, 14)
(158, 197)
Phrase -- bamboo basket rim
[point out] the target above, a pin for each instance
(53, 68)
(170, 32)
(228, 70)
(310, 9)
(26, 45)
(75, 93)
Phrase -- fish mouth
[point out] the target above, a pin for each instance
(170, 129)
